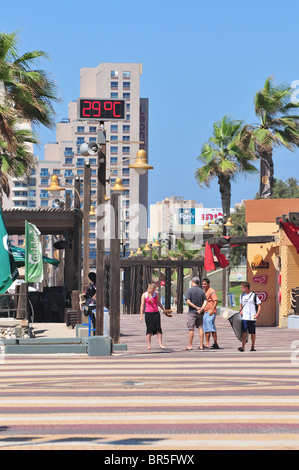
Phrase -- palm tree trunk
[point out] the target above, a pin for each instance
(267, 173)
(224, 182)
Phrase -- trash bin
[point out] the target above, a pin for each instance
(231, 300)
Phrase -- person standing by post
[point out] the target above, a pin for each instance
(250, 309)
(210, 314)
(196, 300)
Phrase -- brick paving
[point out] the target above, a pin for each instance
(155, 400)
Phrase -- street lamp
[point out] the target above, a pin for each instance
(141, 166)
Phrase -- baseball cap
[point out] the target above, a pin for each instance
(196, 280)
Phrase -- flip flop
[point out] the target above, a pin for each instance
(188, 349)
(168, 312)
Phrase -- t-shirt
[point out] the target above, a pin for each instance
(197, 297)
(249, 309)
(211, 297)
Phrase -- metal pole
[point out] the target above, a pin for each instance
(100, 260)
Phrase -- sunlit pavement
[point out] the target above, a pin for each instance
(159, 399)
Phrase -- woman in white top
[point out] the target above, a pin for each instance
(250, 310)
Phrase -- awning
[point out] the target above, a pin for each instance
(292, 232)
(19, 256)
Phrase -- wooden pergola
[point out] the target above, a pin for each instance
(65, 222)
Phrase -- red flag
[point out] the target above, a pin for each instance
(221, 258)
(291, 231)
(209, 259)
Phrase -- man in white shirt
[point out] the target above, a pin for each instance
(250, 310)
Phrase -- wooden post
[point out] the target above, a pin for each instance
(115, 271)
(86, 209)
(77, 239)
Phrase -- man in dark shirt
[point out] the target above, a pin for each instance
(196, 300)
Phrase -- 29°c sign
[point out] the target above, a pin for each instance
(101, 109)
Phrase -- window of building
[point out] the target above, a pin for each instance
(126, 181)
(80, 129)
(80, 172)
(126, 85)
(92, 129)
(80, 161)
(126, 138)
(113, 149)
(31, 203)
(114, 128)
(44, 193)
(92, 139)
(56, 172)
(44, 172)
(126, 128)
(114, 74)
(68, 173)
(126, 171)
(32, 182)
(68, 161)
(114, 138)
(44, 182)
(126, 150)
(32, 193)
(44, 203)
(114, 85)
(126, 96)
(113, 160)
(93, 161)
(68, 152)
(114, 95)
(126, 74)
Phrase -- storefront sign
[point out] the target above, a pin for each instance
(259, 263)
(260, 279)
(262, 296)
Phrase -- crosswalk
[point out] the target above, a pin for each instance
(154, 400)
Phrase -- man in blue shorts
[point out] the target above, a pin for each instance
(250, 306)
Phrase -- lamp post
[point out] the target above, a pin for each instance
(141, 166)
(73, 248)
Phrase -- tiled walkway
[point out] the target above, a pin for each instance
(170, 399)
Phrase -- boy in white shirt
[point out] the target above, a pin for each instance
(250, 310)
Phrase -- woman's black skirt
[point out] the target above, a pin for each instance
(153, 323)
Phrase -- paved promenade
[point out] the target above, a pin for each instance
(155, 400)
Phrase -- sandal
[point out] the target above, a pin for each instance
(168, 312)
(188, 349)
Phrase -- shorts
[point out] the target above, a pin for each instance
(209, 323)
(248, 326)
(195, 320)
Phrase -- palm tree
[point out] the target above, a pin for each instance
(278, 125)
(223, 159)
(26, 100)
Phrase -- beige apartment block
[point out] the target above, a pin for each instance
(124, 138)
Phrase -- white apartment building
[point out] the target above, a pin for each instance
(176, 217)
(124, 139)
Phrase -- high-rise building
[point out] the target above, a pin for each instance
(124, 139)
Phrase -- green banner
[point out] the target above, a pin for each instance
(34, 271)
(8, 272)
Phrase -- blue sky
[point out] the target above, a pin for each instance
(201, 60)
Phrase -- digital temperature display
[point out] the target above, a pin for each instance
(102, 110)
